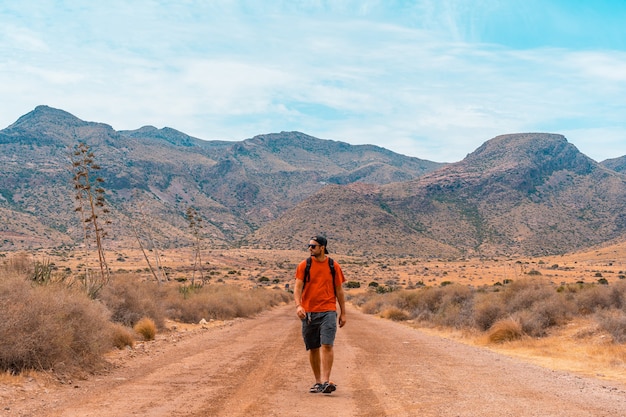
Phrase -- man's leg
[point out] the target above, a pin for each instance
(315, 360)
(327, 357)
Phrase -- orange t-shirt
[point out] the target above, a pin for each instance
(319, 295)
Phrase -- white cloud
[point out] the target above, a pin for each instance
(408, 79)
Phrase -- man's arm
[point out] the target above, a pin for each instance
(297, 296)
(342, 305)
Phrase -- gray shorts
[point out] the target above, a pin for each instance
(319, 329)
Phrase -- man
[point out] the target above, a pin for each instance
(316, 296)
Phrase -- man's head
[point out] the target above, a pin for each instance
(318, 241)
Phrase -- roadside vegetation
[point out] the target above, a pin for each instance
(49, 323)
(529, 307)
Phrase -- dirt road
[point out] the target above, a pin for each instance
(258, 367)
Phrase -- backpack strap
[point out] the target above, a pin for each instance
(331, 264)
(307, 273)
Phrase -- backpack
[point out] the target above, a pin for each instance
(307, 273)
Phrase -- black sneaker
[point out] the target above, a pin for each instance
(316, 388)
(328, 387)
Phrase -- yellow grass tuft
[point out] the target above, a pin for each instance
(146, 328)
(505, 331)
(122, 336)
(395, 314)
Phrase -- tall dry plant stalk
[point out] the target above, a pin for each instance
(90, 204)
(195, 225)
(141, 231)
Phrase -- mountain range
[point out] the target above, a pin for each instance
(517, 194)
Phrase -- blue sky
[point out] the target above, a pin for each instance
(425, 78)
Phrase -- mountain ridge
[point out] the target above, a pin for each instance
(516, 194)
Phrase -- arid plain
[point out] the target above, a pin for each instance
(578, 346)
(225, 373)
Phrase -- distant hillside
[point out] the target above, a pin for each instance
(523, 194)
(153, 175)
(356, 221)
(518, 194)
(616, 164)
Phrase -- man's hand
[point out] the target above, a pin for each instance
(342, 320)
(300, 312)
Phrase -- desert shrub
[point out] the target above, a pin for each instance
(456, 307)
(522, 294)
(544, 314)
(353, 284)
(593, 298)
(121, 336)
(50, 328)
(428, 300)
(453, 315)
(19, 263)
(408, 300)
(146, 328)
(375, 305)
(359, 299)
(617, 295)
(382, 289)
(222, 302)
(505, 331)
(613, 322)
(395, 314)
(129, 300)
(487, 310)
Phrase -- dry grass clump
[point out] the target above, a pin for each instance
(121, 336)
(146, 328)
(48, 327)
(533, 304)
(221, 302)
(614, 323)
(593, 298)
(505, 331)
(129, 300)
(395, 314)
(487, 310)
(376, 304)
(446, 306)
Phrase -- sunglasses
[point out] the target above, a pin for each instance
(311, 246)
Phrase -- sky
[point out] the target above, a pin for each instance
(433, 79)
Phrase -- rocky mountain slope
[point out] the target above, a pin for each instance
(151, 176)
(520, 194)
(524, 194)
(615, 164)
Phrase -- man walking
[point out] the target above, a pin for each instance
(317, 289)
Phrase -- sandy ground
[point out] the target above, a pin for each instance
(258, 367)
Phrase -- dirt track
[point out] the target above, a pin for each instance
(259, 367)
